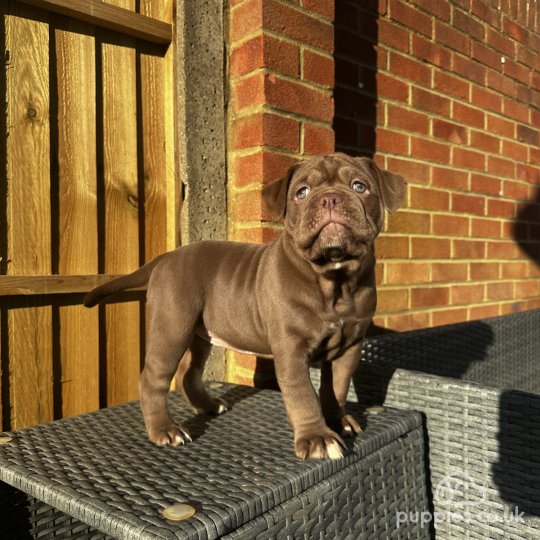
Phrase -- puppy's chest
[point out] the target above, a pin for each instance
(336, 337)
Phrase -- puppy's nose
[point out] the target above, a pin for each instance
(330, 200)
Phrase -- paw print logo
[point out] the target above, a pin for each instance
(459, 489)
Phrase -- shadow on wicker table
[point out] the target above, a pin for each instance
(477, 385)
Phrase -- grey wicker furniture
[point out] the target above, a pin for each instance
(97, 476)
(476, 385)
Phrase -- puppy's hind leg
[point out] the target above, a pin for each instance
(167, 341)
(189, 379)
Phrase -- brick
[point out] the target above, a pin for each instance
(500, 83)
(485, 270)
(406, 119)
(468, 204)
(485, 12)
(468, 115)
(515, 190)
(502, 250)
(297, 98)
(410, 17)
(408, 222)
(259, 235)
(516, 71)
(502, 209)
(526, 289)
(486, 56)
(451, 85)
(318, 68)
(448, 225)
(469, 69)
(480, 140)
(318, 140)
(408, 68)
(452, 38)
(528, 173)
(322, 7)
(430, 248)
(389, 87)
(500, 42)
(464, 22)
(392, 300)
(448, 272)
(453, 133)
(521, 35)
(486, 228)
(486, 99)
(468, 159)
(415, 171)
(393, 142)
(393, 35)
(249, 92)
(406, 273)
(500, 167)
(259, 167)
(499, 291)
(247, 206)
(430, 150)
(409, 321)
(430, 52)
(450, 178)
(288, 21)
(439, 9)
(246, 19)
(264, 129)
(430, 297)
(431, 102)
(392, 247)
(486, 184)
(429, 199)
(529, 135)
(515, 150)
(516, 110)
(501, 126)
(467, 294)
(483, 312)
(514, 270)
(449, 316)
(469, 249)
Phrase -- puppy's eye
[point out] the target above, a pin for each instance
(302, 193)
(358, 186)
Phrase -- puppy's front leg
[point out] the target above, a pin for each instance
(335, 381)
(312, 437)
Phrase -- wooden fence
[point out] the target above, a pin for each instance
(88, 187)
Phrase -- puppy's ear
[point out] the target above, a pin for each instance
(275, 194)
(393, 187)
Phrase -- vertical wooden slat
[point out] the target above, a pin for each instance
(28, 209)
(157, 135)
(121, 209)
(77, 202)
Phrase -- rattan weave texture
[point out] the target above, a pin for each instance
(100, 469)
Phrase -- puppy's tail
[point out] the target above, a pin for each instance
(134, 280)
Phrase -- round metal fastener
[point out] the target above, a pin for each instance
(376, 409)
(4, 439)
(179, 511)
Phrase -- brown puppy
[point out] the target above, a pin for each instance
(309, 295)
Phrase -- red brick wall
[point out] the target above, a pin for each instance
(281, 76)
(445, 92)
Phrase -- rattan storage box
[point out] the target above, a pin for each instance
(97, 476)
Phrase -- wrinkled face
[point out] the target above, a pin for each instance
(334, 209)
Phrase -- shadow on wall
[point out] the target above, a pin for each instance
(526, 229)
(355, 94)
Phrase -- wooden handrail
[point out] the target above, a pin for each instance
(109, 16)
(53, 284)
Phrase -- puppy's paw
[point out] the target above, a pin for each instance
(171, 435)
(320, 445)
(349, 426)
(215, 406)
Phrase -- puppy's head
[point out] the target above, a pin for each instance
(333, 207)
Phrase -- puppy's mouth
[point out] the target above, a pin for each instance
(332, 242)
